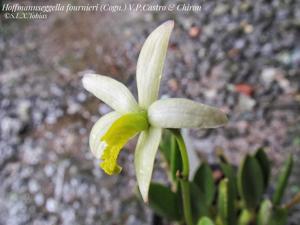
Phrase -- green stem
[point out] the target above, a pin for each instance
(185, 159)
(186, 201)
(184, 177)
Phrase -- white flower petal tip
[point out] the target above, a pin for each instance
(184, 113)
(111, 92)
(150, 63)
(144, 157)
(169, 24)
(99, 129)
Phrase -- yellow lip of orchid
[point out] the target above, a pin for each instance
(147, 117)
(117, 136)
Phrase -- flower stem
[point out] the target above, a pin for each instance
(184, 177)
(186, 201)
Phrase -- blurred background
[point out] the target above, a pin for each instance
(240, 56)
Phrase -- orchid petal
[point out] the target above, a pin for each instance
(144, 158)
(111, 92)
(150, 63)
(98, 130)
(184, 113)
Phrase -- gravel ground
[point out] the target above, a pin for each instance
(243, 57)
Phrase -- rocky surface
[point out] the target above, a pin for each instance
(243, 57)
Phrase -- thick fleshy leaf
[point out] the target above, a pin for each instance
(144, 158)
(184, 113)
(264, 164)
(246, 217)
(250, 182)
(198, 206)
(283, 180)
(98, 130)
(264, 213)
(205, 221)
(230, 173)
(279, 216)
(150, 63)
(205, 181)
(165, 202)
(165, 145)
(111, 92)
(169, 148)
(226, 202)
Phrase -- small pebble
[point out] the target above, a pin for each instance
(39, 199)
(51, 205)
(194, 32)
(173, 85)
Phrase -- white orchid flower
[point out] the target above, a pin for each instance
(147, 117)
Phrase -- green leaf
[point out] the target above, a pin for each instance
(271, 215)
(279, 217)
(170, 150)
(226, 203)
(250, 182)
(199, 208)
(246, 217)
(283, 181)
(265, 213)
(229, 172)
(176, 161)
(264, 164)
(165, 145)
(204, 180)
(205, 221)
(165, 202)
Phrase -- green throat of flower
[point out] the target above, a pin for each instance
(123, 129)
